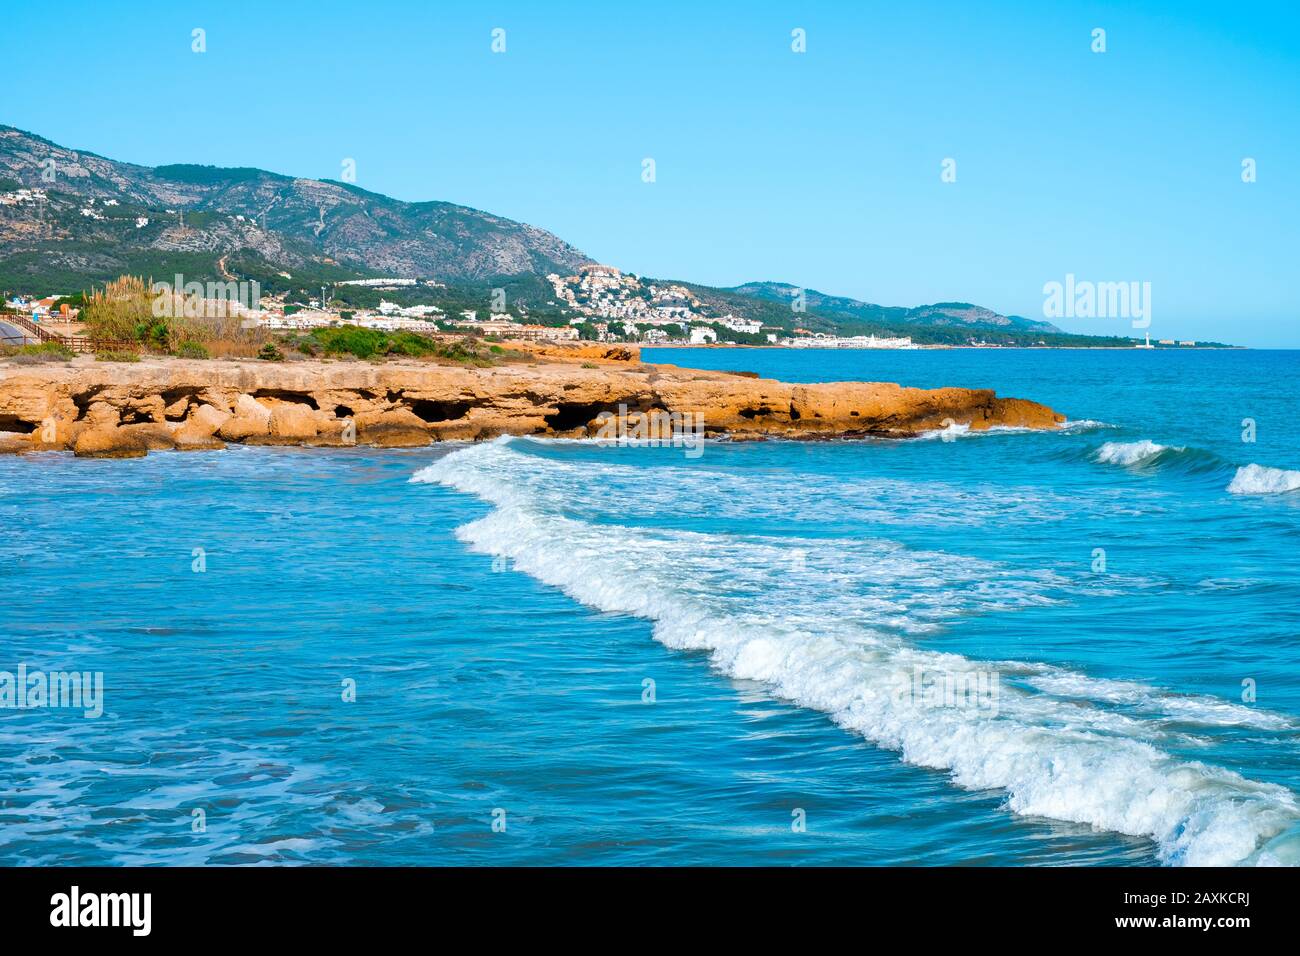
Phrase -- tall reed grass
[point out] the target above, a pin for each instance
(128, 310)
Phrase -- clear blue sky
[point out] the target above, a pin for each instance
(820, 169)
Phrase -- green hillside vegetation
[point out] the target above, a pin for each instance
(29, 273)
(207, 175)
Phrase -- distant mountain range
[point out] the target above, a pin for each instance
(956, 314)
(287, 221)
(70, 219)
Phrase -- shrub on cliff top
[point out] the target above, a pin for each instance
(354, 341)
(367, 343)
(37, 354)
(116, 355)
(192, 350)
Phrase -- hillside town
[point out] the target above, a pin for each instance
(601, 303)
(621, 307)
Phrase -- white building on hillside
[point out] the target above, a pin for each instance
(737, 324)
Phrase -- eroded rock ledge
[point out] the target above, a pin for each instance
(103, 409)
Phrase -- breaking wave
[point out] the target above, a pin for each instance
(1131, 452)
(1262, 480)
(831, 625)
(1249, 479)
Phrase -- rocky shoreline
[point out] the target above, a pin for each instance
(108, 409)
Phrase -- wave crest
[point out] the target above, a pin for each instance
(1262, 480)
(1131, 452)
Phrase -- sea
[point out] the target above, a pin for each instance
(1067, 648)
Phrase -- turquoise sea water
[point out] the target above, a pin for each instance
(636, 655)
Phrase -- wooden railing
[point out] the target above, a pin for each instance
(31, 328)
(73, 343)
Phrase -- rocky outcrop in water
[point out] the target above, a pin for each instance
(102, 409)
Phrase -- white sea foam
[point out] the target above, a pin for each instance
(949, 432)
(956, 430)
(1182, 708)
(1082, 425)
(965, 431)
(1262, 480)
(830, 624)
(1130, 452)
(701, 491)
